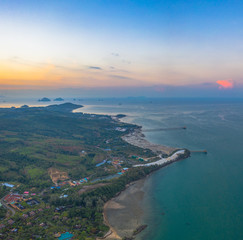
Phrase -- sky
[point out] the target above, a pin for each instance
(130, 48)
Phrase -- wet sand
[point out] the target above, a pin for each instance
(124, 213)
(137, 138)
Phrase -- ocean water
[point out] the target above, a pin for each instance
(200, 197)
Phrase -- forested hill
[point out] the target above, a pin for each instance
(33, 139)
(64, 107)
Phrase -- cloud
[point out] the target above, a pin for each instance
(115, 54)
(225, 84)
(119, 77)
(95, 68)
(126, 62)
(25, 62)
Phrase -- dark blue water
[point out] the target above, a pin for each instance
(200, 197)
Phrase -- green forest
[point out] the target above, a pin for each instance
(34, 140)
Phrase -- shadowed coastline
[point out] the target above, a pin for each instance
(124, 213)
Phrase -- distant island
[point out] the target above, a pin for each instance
(24, 106)
(44, 99)
(59, 99)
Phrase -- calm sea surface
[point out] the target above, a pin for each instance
(200, 197)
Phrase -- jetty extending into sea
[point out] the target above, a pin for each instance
(163, 129)
(199, 151)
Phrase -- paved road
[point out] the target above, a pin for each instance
(7, 207)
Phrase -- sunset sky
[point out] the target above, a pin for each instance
(149, 47)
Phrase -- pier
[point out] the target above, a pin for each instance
(199, 151)
(163, 129)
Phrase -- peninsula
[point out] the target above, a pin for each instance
(59, 168)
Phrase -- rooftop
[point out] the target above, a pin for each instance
(66, 236)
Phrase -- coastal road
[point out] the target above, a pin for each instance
(11, 210)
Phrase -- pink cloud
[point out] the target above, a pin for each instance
(223, 84)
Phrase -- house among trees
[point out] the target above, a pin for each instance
(10, 221)
(25, 216)
(13, 197)
(32, 213)
(32, 202)
(42, 224)
(2, 226)
(66, 236)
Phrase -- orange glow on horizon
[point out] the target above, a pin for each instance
(15, 75)
(23, 74)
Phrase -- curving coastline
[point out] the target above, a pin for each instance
(112, 233)
(124, 213)
(137, 138)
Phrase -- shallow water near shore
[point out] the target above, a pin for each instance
(125, 212)
(199, 197)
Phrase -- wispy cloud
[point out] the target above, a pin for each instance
(115, 54)
(95, 68)
(25, 62)
(126, 61)
(76, 68)
(225, 84)
(119, 77)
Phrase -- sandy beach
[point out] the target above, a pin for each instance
(137, 138)
(124, 213)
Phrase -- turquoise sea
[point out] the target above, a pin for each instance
(200, 197)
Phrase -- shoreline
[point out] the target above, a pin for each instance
(137, 138)
(112, 233)
(124, 213)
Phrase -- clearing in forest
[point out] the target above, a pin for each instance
(56, 175)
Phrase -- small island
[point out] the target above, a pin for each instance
(59, 99)
(24, 106)
(44, 99)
